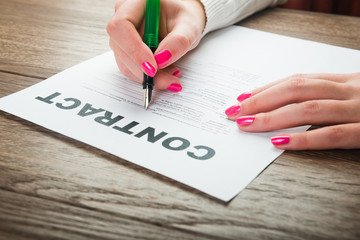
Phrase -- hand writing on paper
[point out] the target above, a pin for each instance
(180, 29)
(329, 100)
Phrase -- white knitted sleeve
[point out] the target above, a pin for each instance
(222, 13)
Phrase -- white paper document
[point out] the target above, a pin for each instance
(184, 136)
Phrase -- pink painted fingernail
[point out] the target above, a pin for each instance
(175, 87)
(148, 69)
(231, 111)
(245, 120)
(280, 139)
(177, 73)
(244, 96)
(163, 57)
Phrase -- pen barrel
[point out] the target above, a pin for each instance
(148, 82)
(152, 23)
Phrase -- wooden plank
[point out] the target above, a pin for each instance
(30, 217)
(41, 38)
(325, 28)
(11, 83)
(274, 204)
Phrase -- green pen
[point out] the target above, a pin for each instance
(152, 14)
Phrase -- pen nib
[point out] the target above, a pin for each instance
(147, 97)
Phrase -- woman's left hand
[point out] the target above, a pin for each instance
(329, 100)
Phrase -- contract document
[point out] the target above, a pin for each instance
(184, 136)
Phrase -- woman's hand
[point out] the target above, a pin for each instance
(180, 28)
(330, 100)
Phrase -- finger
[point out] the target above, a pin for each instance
(346, 136)
(335, 77)
(173, 70)
(124, 63)
(307, 113)
(292, 91)
(340, 78)
(123, 29)
(174, 46)
(166, 79)
(179, 35)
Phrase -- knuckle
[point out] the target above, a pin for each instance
(297, 75)
(252, 102)
(347, 89)
(311, 108)
(183, 43)
(117, 25)
(249, 105)
(112, 26)
(258, 90)
(336, 134)
(302, 140)
(266, 120)
(297, 82)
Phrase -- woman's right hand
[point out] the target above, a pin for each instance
(180, 30)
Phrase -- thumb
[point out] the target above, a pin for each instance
(175, 45)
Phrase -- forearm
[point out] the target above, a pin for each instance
(222, 13)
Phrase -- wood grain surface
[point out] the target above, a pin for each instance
(54, 187)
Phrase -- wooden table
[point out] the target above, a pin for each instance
(53, 187)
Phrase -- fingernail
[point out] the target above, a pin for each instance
(162, 58)
(244, 96)
(177, 73)
(231, 111)
(148, 69)
(245, 120)
(175, 87)
(280, 139)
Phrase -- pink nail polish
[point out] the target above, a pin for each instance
(148, 69)
(245, 120)
(162, 58)
(231, 111)
(175, 87)
(244, 96)
(280, 139)
(177, 73)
